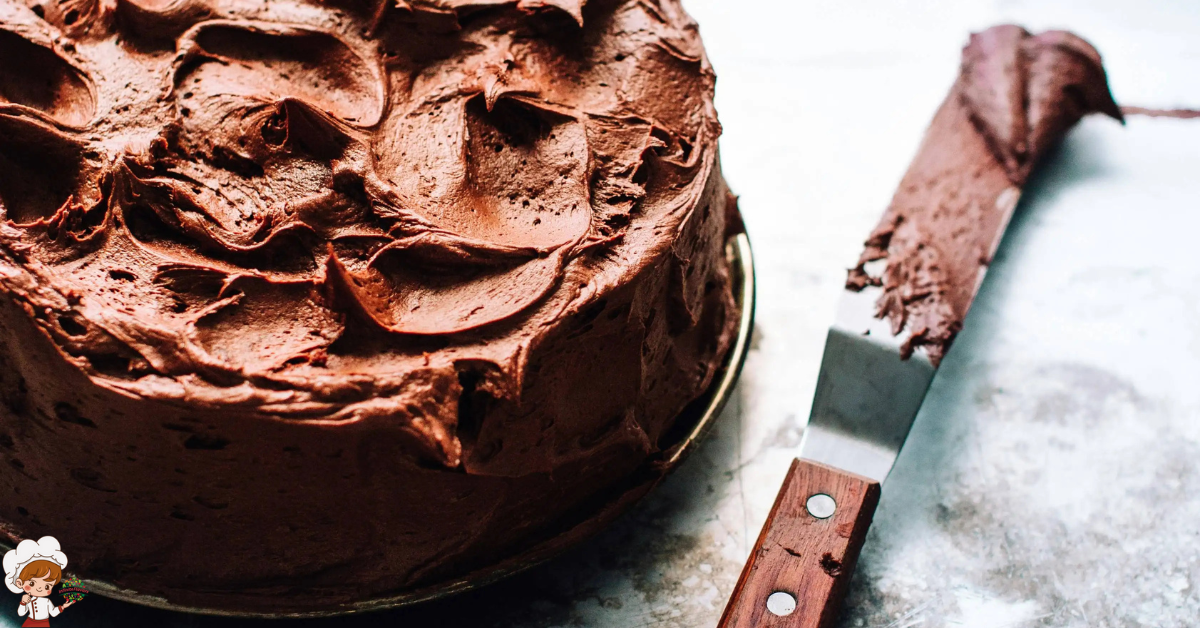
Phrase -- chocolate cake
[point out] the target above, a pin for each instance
(306, 302)
(1016, 96)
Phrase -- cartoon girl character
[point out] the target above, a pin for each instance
(34, 567)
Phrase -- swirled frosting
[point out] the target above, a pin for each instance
(483, 235)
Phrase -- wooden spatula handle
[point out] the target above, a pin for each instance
(803, 555)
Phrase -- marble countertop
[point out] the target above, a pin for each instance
(1052, 477)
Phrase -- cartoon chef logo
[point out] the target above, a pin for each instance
(33, 568)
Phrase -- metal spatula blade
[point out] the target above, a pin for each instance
(867, 396)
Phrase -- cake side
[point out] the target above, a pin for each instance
(274, 344)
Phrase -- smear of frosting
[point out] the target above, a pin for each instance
(1151, 112)
(1016, 96)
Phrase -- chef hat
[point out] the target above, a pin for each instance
(45, 548)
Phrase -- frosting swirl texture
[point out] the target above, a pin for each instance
(465, 256)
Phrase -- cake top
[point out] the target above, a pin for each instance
(303, 207)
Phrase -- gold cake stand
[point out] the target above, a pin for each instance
(690, 428)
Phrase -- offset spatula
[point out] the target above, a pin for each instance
(866, 400)
(1017, 94)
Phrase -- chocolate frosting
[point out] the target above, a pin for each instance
(303, 302)
(1016, 96)
(1181, 114)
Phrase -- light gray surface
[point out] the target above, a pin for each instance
(1052, 476)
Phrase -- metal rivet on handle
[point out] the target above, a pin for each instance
(781, 603)
(821, 506)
